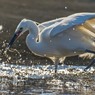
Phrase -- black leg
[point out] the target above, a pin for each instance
(89, 65)
(56, 66)
(90, 51)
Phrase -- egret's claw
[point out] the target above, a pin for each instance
(89, 65)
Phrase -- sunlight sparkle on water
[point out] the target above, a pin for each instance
(67, 80)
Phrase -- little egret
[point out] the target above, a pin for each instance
(73, 35)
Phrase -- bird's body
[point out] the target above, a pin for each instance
(71, 41)
(67, 37)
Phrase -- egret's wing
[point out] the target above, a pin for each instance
(49, 23)
(90, 25)
(70, 21)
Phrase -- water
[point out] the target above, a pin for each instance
(41, 80)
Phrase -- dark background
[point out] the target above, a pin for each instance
(13, 11)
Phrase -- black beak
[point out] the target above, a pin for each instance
(12, 40)
(15, 36)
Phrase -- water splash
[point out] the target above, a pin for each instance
(15, 51)
(6, 55)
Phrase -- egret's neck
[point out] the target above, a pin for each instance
(33, 45)
(33, 30)
(31, 39)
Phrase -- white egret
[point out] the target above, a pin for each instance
(69, 37)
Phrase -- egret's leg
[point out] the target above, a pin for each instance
(89, 51)
(56, 66)
(89, 65)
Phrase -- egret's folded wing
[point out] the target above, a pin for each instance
(71, 21)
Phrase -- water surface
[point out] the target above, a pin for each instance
(41, 80)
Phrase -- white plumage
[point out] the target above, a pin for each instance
(69, 36)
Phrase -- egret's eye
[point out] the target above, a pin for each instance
(21, 28)
(19, 31)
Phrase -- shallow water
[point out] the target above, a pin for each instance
(41, 80)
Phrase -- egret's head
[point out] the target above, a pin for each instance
(21, 28)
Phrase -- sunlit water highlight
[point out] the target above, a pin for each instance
(41, 80)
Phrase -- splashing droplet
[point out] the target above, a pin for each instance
(1, 27)
(69, 39)
(9, 58)
(6, 55)
(66, 7)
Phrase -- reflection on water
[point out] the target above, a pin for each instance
(40, 80)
